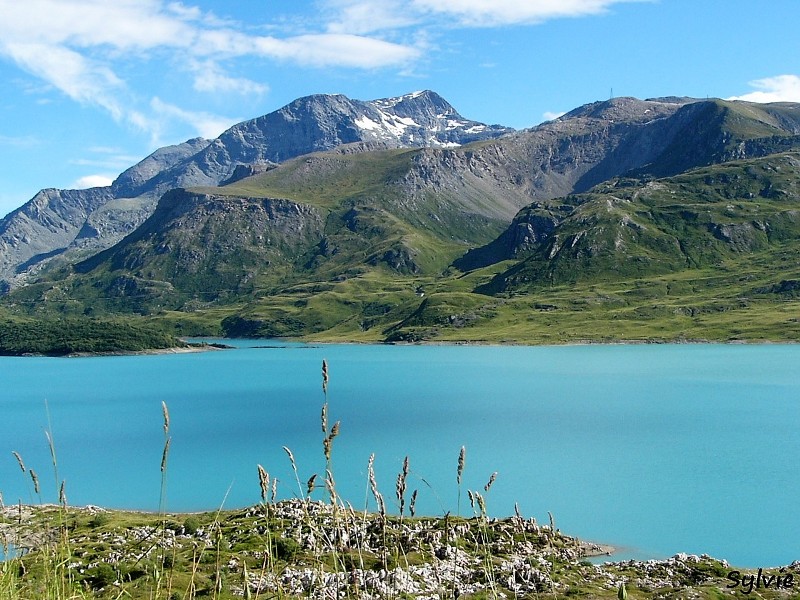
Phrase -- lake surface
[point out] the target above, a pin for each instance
(656, 449)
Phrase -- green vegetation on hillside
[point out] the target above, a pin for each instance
(702, 219)
(710, 254)
(325, 180)
(58, 337)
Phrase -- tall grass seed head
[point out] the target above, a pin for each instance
(19, 460)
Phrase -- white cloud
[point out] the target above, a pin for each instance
(205, 124)
(362, 17)
(366, 16)
(147, 25)
(122, 25)
(783, 88)
(90, 181)
(209, 77)
(549, 116)
(75, 75)
(337, 49)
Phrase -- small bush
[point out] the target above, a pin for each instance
(191, 525)
(99, 520)
(102, 576)
(286, 548)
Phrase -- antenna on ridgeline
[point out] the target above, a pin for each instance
(611, 95)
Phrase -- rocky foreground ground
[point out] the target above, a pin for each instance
(300, 548)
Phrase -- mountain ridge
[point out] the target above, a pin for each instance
(308, 124)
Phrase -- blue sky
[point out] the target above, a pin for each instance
(92, 86)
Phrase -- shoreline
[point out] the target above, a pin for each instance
(193, 347)
(190, 348)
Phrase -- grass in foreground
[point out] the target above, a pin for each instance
(312, 549)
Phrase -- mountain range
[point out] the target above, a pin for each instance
(75, 222)
(398, 218)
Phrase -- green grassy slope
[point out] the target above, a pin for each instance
(693, 221)
(335, 247)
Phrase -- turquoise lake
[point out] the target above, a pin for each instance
(656, 449)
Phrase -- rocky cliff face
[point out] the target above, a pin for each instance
(45, 226)
(323, 122)
(203, 246)
(139, 179)
(56, 221)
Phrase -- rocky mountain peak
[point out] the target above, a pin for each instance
(424, 101)
(627, 109)
(132, 181)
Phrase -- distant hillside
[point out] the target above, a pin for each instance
(69, 224)
(627, 228)
(550, 234)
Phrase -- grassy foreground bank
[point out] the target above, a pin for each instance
(311, 549)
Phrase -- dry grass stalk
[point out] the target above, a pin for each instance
(413, 504)
(294, 468)
(373, 485)
(35, 479)
(19, 460)
(274, 491)
(246, 582)
(327, 443)
(52, 447)
(291, 457)
(400, 487)
(489, 484)
(164, 455)
(165, 412)
(324, 418)
(324, 375)
(381, 505)
(326, 447)
(330, 485)
(263, 480)
(481, 503)
(461, 458)
(62, 495)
